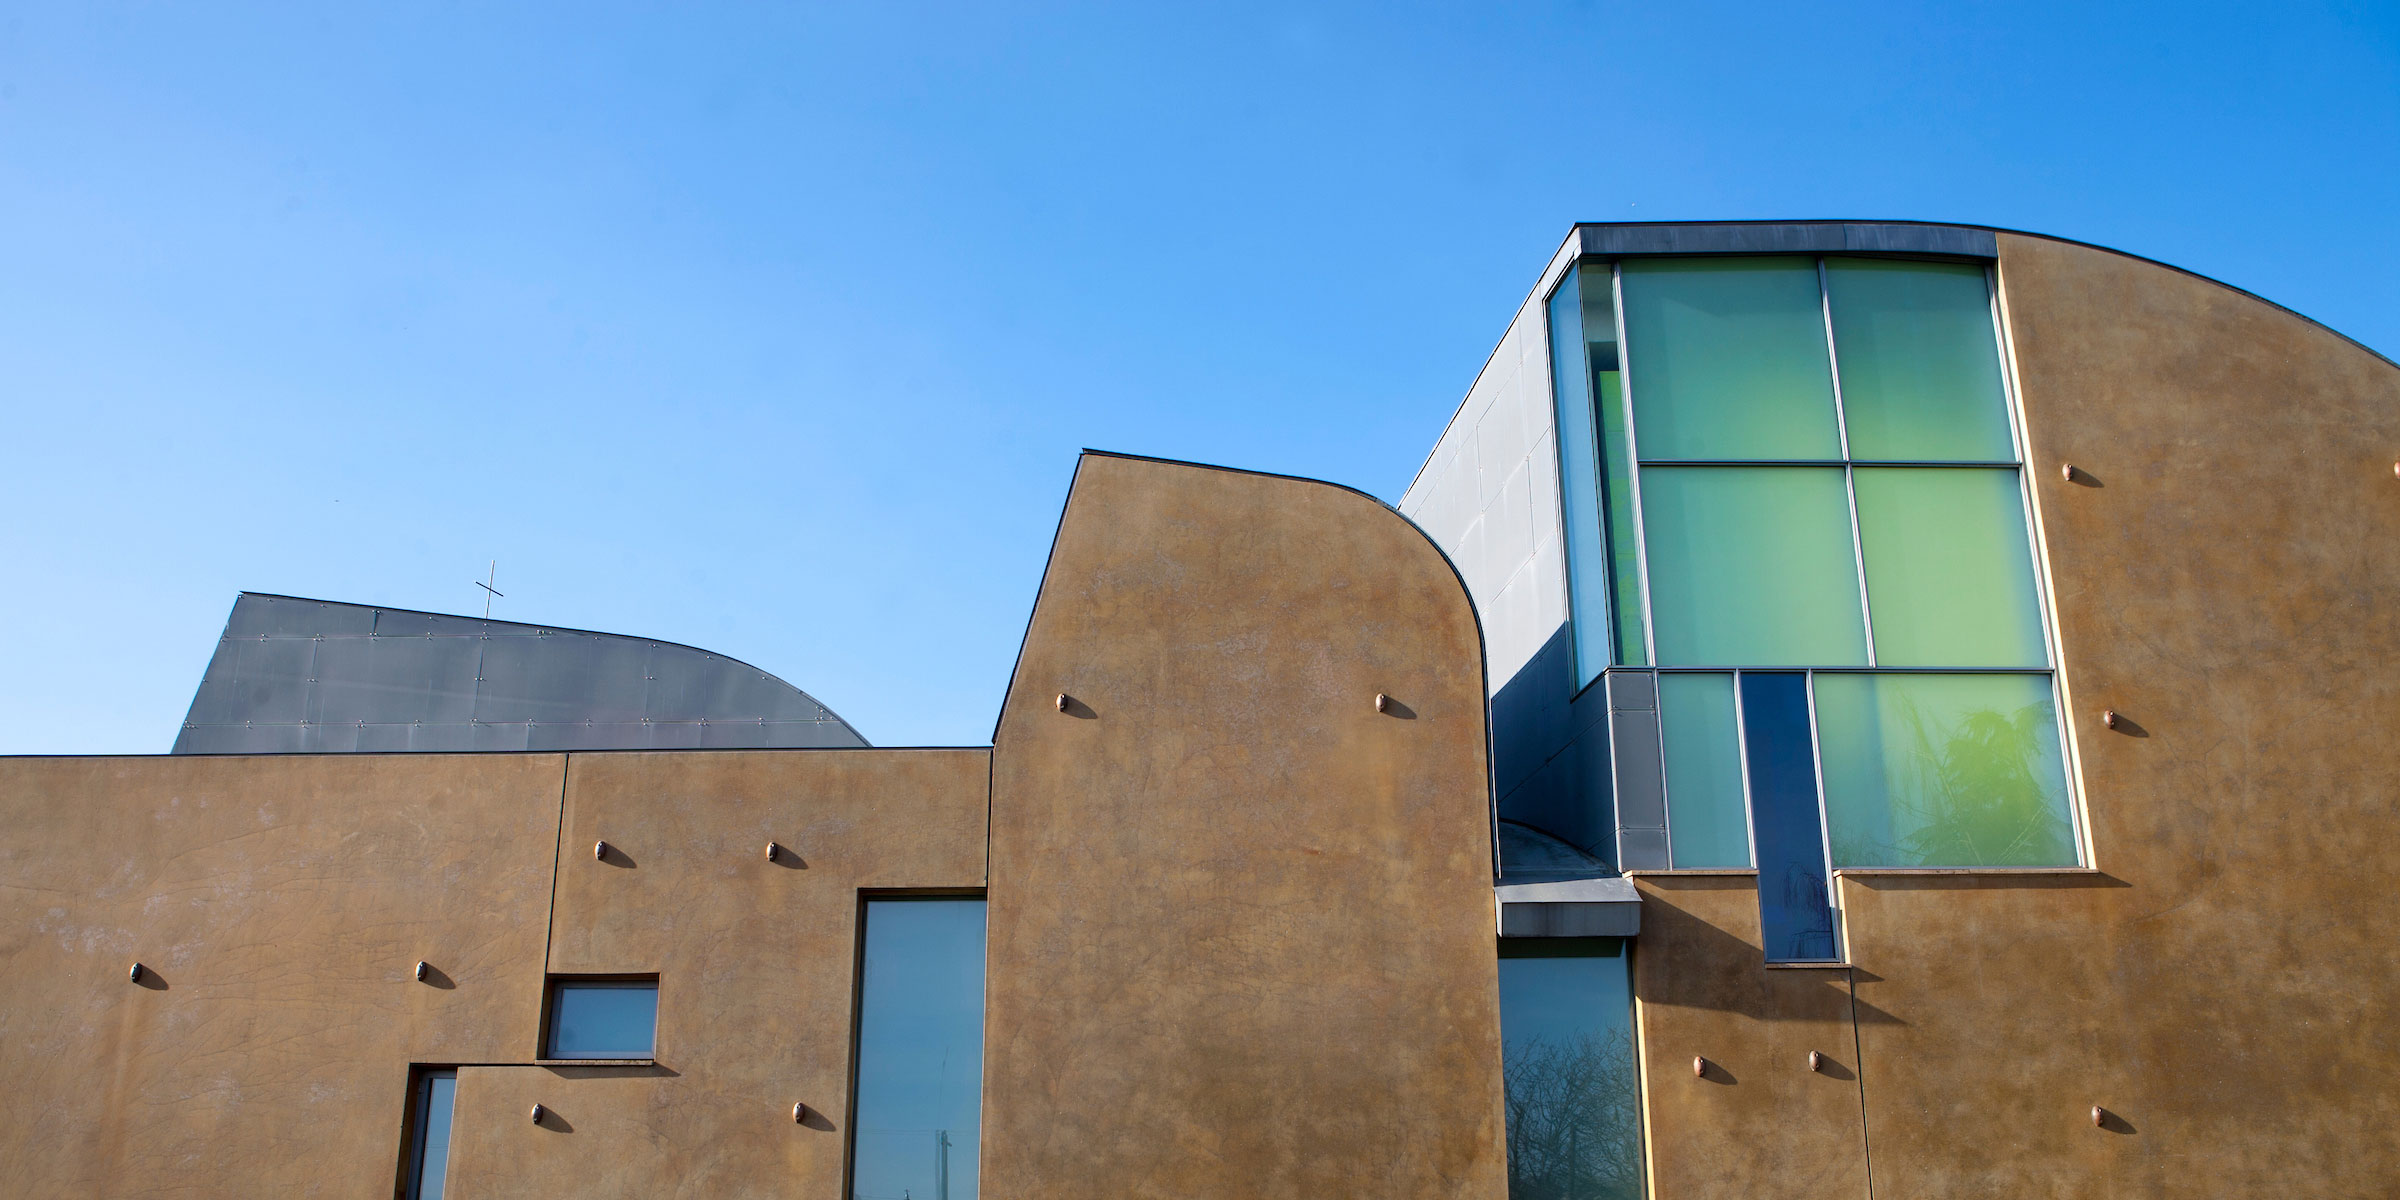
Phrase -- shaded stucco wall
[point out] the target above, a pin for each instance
(2223, 570)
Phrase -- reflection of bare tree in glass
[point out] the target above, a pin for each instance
(1975, 798)
(1574, 1127)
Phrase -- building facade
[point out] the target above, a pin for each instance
(1845, 709)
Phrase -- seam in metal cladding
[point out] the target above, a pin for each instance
(293, 675)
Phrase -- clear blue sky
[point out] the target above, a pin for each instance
(775, 330)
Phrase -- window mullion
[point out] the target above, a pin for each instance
(1841, 424)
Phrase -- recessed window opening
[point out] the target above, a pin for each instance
(602, 1018)
(431, 1095)
(917, 1117)
(1573, 1098)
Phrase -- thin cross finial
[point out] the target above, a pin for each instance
(489, 591)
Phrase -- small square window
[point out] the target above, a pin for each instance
(602, 1018)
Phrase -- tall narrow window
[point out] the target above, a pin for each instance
(429, 1134)
(920, 1050)
(1566, 1033)
(1795, 904)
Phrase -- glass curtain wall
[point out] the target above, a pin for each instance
(1823, 507)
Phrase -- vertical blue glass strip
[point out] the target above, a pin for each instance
(1578, 482)
(1795, 913)
(431, 1167)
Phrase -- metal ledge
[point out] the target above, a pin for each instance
(1602, 907)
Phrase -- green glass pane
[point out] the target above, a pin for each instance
(1943, 771)
(1949, 568)
(1727, 359)
(1752, 567)
(1920, 366)
(1708, 825)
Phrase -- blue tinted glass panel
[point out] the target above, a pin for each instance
(1795, 913)
(1578, 482)
(1566, 1031)
(615, 1019)
(429, 1166)
(920, 1050)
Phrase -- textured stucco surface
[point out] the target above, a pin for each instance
(1241, 923)
(284, 903)
(1759, 1122)
(755, 962)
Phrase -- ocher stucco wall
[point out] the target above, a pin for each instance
(284, 903)
(756, 964)
(2225, 570)
(1242, 939)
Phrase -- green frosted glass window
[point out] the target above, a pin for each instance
(1920, 366)
(1949, 567)
(1927, 770)
(1727, 359)
(1752, 567)
(1708, 825)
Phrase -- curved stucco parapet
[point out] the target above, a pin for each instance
(300, 676)
(1240, 918)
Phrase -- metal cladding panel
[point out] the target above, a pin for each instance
(295, 676)
(1768, 237)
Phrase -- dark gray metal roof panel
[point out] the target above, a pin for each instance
(300, 676)
(1775, 237)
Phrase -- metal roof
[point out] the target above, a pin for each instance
(300, 676)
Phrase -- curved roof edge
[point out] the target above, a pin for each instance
(295, 674)
(1483, 666)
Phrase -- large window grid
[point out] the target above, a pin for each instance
(1598, 368)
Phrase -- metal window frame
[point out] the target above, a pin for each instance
(1841, 425)
(1633, 470)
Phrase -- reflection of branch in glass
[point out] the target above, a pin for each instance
(1975, 798)
(1574, 1130)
